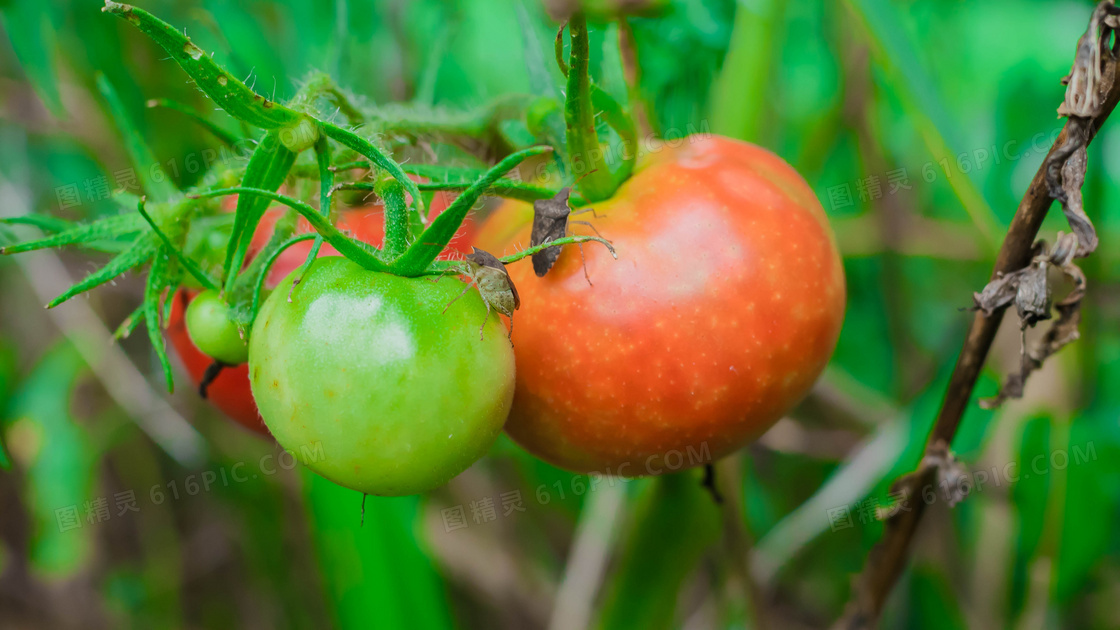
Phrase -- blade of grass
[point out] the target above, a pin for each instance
(226, 137)
(895, 53)
(32, 36)
(740, 94)
(153, 179)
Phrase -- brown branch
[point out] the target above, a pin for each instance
(887, 560)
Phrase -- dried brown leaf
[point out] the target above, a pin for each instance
(1062, 332)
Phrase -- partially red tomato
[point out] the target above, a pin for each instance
(230, 391)
(722, 310)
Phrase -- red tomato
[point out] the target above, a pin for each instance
(230, 392)
(722, 310)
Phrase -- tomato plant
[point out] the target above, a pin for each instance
(229, 391)
(723, 309)
(398, 388)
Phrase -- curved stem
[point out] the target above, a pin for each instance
(560, 242)
(188, 264)
(259, 284)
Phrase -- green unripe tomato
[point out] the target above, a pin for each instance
(367, 370)
(213, 331)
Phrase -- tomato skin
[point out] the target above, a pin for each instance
(722, 310)
(213, 331)
(401, 395)
(230, 391)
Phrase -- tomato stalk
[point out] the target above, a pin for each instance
(584, 151)
(396, 217)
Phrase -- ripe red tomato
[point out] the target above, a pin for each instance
(722, 310)
(230, 391)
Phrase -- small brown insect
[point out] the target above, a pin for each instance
(551, 218)
(494, 285)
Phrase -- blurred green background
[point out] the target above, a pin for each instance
(918, 123)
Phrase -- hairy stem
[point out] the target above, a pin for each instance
(583, 143)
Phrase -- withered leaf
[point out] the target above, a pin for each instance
(1032, 299)
(1073, 177)
(997, 294)
(1062, 332)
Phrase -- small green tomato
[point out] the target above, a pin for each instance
(366, 371)
(213, 331)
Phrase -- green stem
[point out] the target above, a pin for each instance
(443, 266)
(326, 189)
(396, 217)
(354, 250)
(263, 275)
(504, 188)
(560, 242)
(584, 151)
(188, 264)
(366, 148)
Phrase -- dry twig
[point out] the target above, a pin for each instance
(1090, 97)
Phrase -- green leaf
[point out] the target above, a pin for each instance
(102, 229)
(357, 251)
(267, 169)
(9, 373)
(376, 574)
(58, 462)
(227, 90)
(130, 323)
(673, 522)
(44, 222)
(1030, 495)
(432, 242)
(540, 78)
(158, 281)
(152, 177)
(1092, 501)
(933, 601)
(226, 137)
(32, 36)
(137, 254)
